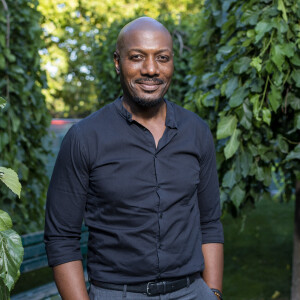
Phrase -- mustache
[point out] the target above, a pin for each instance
(146, 80)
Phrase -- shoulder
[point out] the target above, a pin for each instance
(192, 127)
(87, 130)
(187, 118)
(96, 119)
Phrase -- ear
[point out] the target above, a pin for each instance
(117, 62)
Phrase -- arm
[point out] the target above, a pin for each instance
(70, 281)
(65, 207)
(210, 213)
(214, 262)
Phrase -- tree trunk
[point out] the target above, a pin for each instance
(296, 256)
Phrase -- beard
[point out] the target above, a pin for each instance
(143, 101)
(147, 103)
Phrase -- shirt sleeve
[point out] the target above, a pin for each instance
(208, 194)
(66, 201)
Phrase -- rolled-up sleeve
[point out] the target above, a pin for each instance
(66, 201)
(208, 194)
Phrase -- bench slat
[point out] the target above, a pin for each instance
(34, 251)
(32, 238)
(34, 264)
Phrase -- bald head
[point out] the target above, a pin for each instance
(140, 26)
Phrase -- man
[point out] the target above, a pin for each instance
(142, 173)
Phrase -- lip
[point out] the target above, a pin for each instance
(149, 86)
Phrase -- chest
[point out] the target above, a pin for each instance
(132, 171)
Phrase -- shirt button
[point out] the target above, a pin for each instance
(161, 215)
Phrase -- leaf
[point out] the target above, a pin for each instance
(278, 52)
(278, 78)
(256, 63)
(277, 57)
(259, 173)
(229, 179)
(287, 49)
(225, 50)
(208, 99)
(17, 69)
(246, 120)
(296, 60)
(267, 176)
(296, 76)
(11, 180)
(261, 28)
(283, 145)
(255, 101)
(226, 126)
(246, 162)
(275, 98)
(256, 85)
(237, 196)
(246, 123)
(282, 26)
(2, 41)
(266, 115)
(232, 144)
(4, 292)
(295, 154)
(297, 121)
(231, 85)
(5, 221)
(253, 149)
(238, 97)
(241, 65)
(293, 101)
(2, 62)
(281, 7)
(250, 17)
(11, 257)
(2, 102)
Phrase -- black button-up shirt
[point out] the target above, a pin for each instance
(148, 209)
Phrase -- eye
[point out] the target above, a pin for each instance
(136, 57)
(163, 58)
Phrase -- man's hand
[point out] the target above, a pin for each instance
(69, 279)
(214, 264)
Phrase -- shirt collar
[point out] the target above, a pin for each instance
(170, 118)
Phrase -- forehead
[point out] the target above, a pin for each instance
(147, 40)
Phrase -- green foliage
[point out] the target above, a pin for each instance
(245, 82)
(11, 249)
(2, 103)
(11, 257)
(24, 120)
(10, 178)
(80, 37)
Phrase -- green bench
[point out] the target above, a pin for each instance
(35, 258)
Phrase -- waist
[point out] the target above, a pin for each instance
(151, 288)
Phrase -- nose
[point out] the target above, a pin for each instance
(150, 67)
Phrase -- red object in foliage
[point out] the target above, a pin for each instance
(59, 122)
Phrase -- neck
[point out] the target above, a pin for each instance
(140, 113)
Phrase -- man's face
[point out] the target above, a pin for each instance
(145, 65)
